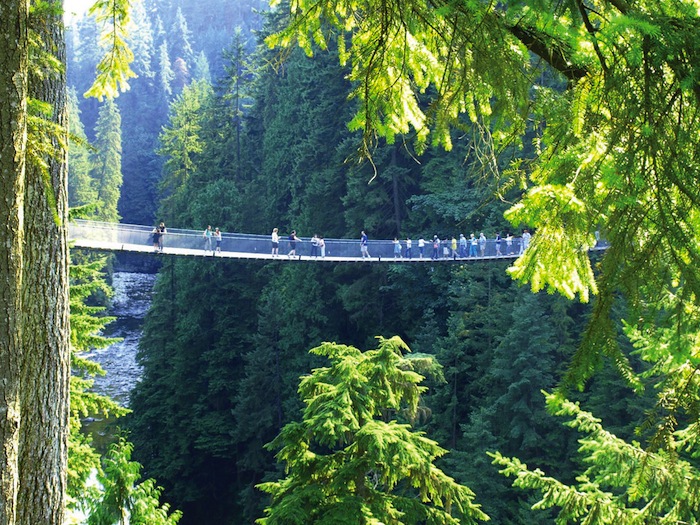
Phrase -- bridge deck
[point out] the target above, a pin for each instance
(198, 252)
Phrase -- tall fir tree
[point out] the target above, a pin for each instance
(106, 161)
(81, 191)
(353, 457)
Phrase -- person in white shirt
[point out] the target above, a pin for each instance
(275, 242)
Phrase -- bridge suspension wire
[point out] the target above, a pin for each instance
(136, 238)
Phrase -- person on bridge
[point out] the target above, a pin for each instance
(436, 247)
(322, 246)
(364, 241)
(462, 245)
(397, 248)
(314, 245)
(275, 242)
(158, 233)
(409, 243)
(154, 238)
(293, 243)
(217, 236)
(207, 239)
(473, 242)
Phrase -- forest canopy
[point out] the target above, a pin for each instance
(581, 118)
(615, 151)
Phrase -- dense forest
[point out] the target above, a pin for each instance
(218, 128)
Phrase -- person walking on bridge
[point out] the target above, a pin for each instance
(462, 245)
(364, 241)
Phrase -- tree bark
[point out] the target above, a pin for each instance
(46, 364)
(14, 16)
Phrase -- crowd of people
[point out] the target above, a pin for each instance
(447, 248)
(464, 248)
(451, 248)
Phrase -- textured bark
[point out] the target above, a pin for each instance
(13, 108)
(46, 363)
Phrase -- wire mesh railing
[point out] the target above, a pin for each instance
(141, 238)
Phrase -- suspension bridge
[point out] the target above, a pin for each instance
(117, 237)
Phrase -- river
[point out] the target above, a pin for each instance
(132, 298)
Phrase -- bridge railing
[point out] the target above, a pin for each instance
(130, 236)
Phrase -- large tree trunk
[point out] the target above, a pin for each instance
(13, 136)
(46, 363)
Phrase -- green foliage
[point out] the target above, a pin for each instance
(622, 484)
(349, 457)
(86, 324)
(80, 189)
(46, 142)
(106, 161)
(600, 154)
(395, 60)
(113, 71)
(181, 138)
(563, 229)
(120, 500)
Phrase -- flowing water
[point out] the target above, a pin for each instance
(132, 298)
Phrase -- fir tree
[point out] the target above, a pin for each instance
(107, 161)
(165, 73)
(121, 499)
(81, 191)
(350, 459)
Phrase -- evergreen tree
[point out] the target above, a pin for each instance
(165, 72)
(201, 69)
(13, 143)
(107, 161)
(180, 51)
(350, 457)
(81, 69)
(121, 499)
(234, 91)
(300, 176)
(140, 40)
(181, 143)
(183, 427)
(509, 415)
(623, 483)
(81, 191)
(87, 323)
